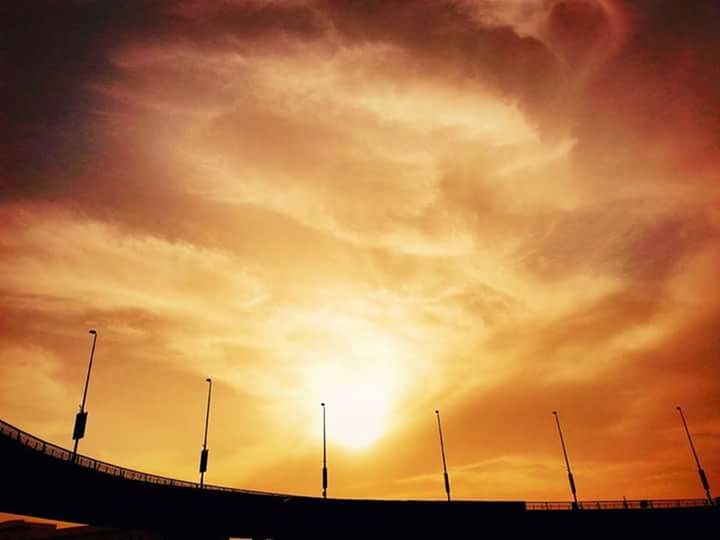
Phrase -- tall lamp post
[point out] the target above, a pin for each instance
(442, 452)
(701, 472)
(324, 468)
(571, 480)
(81, 417)
(204, 451)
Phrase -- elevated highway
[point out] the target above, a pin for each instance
(39, 479)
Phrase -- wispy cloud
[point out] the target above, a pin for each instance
(494, 208)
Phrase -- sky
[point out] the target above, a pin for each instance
(494, 208)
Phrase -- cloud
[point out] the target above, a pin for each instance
(496, 208)
(32, 375)
(91, 263)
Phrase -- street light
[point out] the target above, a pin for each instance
(567, 463)
(81, 417)
(324, 468)
(442, 452)
(701, 472)
(204, 451)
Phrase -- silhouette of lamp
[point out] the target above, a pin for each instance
(204, 451)
(701, 472)
(324, 467)
(446, 478)
(81, 417)
(571, 480)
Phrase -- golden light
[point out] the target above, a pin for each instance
(357, 375)
(356, 413)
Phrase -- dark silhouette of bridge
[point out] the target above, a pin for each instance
(42, 480)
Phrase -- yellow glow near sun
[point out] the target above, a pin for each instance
(356, 413)
(357, 400)
(358, 381)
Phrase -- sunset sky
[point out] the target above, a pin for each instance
(495, 208)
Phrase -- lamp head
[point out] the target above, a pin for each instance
(322, 404)
(437, 412)
(678, 408)
(555, 413)
(92, 331)
(208, 380)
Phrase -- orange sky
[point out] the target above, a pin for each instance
(496, 208)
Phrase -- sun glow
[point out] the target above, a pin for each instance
(358, 381)
(357, 399)
(356, 413)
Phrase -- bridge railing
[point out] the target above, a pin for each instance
(62, 454)
(641, 504)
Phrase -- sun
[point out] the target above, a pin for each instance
(356, 413)
(359, 381)
(356, 365)
(357, 403)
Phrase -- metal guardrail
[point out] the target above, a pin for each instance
(643, 504)
(62, 454)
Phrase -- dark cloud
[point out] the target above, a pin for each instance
(577, 28)
(659, 94)
(617, 239)
(661, 83)
(55, 54)
(51, 52)
(445, 34)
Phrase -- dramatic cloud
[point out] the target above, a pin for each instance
(495, 208)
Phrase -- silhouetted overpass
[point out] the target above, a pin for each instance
(39, 479)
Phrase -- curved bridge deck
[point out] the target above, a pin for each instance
(40, 480)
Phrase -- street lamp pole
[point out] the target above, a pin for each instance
(81, 417)
(442, 452)
(567, 463)
(701, 472)
(324, 469)
(204, 452)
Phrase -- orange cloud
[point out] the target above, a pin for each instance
(493, 208)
